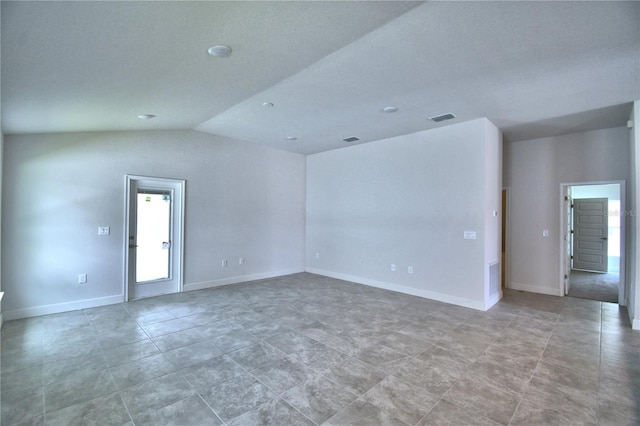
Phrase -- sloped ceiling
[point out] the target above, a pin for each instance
(329, 68)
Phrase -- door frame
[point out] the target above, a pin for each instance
(623, 226)
(505, 236)
(177, 243)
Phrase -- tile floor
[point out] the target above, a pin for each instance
(305, 350)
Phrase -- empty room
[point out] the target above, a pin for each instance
(319, 213)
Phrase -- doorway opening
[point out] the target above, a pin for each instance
(593, 241)
(154, 230)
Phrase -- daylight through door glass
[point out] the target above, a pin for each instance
(153, 235)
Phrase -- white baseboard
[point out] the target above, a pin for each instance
(635, 324)
(534, 289)
(110, 300)
(62, 307)
(440, 297)
(493, 300)
(240, 279)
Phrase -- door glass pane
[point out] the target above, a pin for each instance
(153, 235)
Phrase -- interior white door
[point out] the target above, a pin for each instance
(590, 230)
(154, 235)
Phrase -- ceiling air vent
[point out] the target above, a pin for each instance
(442, 117)
(351, 139)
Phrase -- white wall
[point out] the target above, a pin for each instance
(1, 173)
(492, 208)
(242, 200)
(1, 161)
(534, 171)
(407, 200)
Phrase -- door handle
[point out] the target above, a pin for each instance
(133, 245)
(603, 238)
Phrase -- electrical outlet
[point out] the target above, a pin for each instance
(82, 278)
(225, 263)
(393, 267)
(410, 270)
(241, 261)
(104, 230)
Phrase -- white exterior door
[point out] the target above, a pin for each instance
(590, 230)
(154, 236)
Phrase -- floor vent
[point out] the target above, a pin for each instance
(494, 278)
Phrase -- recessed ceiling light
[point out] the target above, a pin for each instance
(351, 139)
(146, 116)
(292, 138)
(442, 117)
(267, 104)
(390, 109)
(220, 51)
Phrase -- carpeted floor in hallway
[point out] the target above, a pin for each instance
(595, 286)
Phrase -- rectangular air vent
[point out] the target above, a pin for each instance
(442, 117)
(351, 139)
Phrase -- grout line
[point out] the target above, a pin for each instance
(300, 332)
(108, 368)
(533, 372)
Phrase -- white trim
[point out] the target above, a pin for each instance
(178, 221)
(440, 297)
(507, 238)
(535, 289)
(62, 307)
(635, 324)
(240, 279)
(493, 300)
(622, 288)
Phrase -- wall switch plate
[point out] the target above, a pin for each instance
(317, 256)
(410, 270)
(545, 232)
(241, 261)
(393, 267)
(104, 230)
(470, 235)
(82, 278)
(224, 263)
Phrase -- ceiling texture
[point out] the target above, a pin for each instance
(329, 68)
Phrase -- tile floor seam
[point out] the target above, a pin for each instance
(279, 397)
(441, 398)
(533, 371)
(564, 314)
(298, 411)
(195, 391)
(124, 403)
(431, 409)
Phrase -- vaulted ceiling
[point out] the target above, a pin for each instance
(325, 69)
